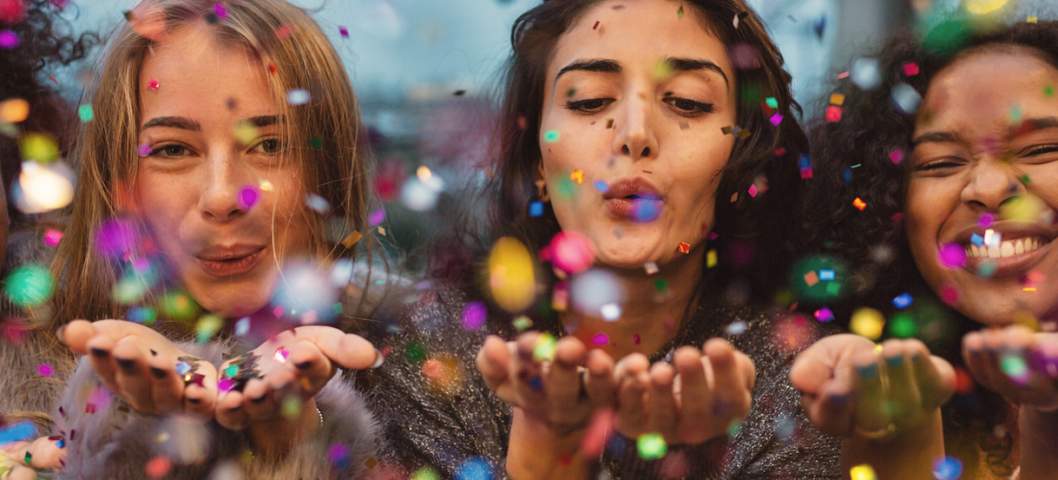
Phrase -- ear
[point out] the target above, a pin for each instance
(125, 198)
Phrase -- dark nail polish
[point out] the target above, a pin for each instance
(193, 401)
(895, 361)
(303, 365)
(99, 353)
(868, 371)
(127, 364)
(158, 373)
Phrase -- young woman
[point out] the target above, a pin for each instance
(215, 126)
(632, 133)
(954, 155)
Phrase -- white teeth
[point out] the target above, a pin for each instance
(1005, 248)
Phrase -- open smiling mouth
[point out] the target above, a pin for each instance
(1001, 254)
(230, 262)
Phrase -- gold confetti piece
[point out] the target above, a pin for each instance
(352, 239)
(14, 110)
(837, 99)
(245, 132)
(577, 176)
(266, 186)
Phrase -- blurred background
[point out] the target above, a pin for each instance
(426, 72)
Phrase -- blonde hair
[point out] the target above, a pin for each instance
(322, 136)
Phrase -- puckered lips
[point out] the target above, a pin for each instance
(633, 199)
(228, 261)
(1014, 248)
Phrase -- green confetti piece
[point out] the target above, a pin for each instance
(772, 102)
(425, 473)
(1014, 366)
(551, 136)
(415, 353)
(544, 351)
(902, 325)
(291, 407)
(651, 446)
(1048, 91)
(661, 285)
(29, 285)
(178, 306)
(522, 323)
(86, 113)
(679, 12)
(316, 143)
(231, 370)
(207, 327)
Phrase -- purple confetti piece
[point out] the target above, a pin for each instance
(8, 39)
(952, 255)
(474, 315)
(218, 8)
(376, 217)
(248, 196)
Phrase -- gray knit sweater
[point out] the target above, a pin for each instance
(457, 431)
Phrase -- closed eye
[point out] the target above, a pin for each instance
(939, 165)
(688, 107)
(591, 105)
(1037, 150)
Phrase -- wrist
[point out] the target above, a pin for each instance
(536, 450)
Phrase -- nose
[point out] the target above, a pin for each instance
(635, 129)
(992, 182)
(219, 202)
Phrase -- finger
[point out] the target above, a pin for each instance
(526, 374)
(230, 411)
(832, 411)
(200, 396)
(167, 388)
(976, 358)
(601, 385)
(934, 375)
(131, 374)
(493, 361)
(102, 361)
(344, 349)
(313, 368)
(904, 405)
(47, 453)
(562, 382)
(20, 472)
(692, 384)
(814, 367)
(632, 386)
(661, 402)
(731, 397)
(259, 404)
(870, 412)
(76, 334)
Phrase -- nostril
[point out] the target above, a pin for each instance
(646, 152)
(625, 150)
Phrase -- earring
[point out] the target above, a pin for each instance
(536, 206)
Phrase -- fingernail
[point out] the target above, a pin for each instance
(868, 371)
(59, 333)
(126, 364)
(895, 361)
(257, 399)
(303, 365)
(158, 373)
(193, 401)
(99, 353)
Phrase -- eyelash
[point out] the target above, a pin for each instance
(684, 106)
(158, 151)
(938, 165)
(1040, 150)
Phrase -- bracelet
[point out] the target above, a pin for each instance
(319, 413)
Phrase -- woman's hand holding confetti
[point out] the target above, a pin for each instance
(697, 397)
(553, 388)
(143, 368)
(269, 392)
(1017, 363)
(22, 460)
(851, 387)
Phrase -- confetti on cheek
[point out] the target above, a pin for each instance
(248, 197)
(281, 355)
(45, 370)
(577, 176)
(153, 85)
(8, 39)
(867, 322)
(551, 136)
(952, 256)
(143, 150)
(14, 110)
(862, 472)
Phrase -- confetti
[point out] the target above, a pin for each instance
(14, 110)
(248, 196)
(343, 31)
(178, 306)
(824, 315)
(376, 217)
(158, 466)
(298, 96)
(600, 339)
(593, 290)
(952, 255)
(153, 85)
(736, 328)
(577, 176)
(711, 258)
(651, 446)
(475, 468)
(536, 209)
(906, 98)
(896, 156)
(776, 119)
(425, 473)
(338, 455)
(291, 407)
(39, 147)
(611, 312)
(902, 325)
(1014, 366)
(207, 327)
(52, 237)
(317, 203)
(512, 279)
(650, 267)
(902, 301)
(8, 39)
(862, 472)
(29, 285)
(771, 102)
(1026, 208)
(551, 136)
(947, 468)
(867, 322)
(85, 113)
(281, 355)
(684, 248)
(474, 315)
(522, 323)
(752, 191)
(17, 432)
(833, 114)
(910, 69)
(245, 132)
(859, 204)
(45, 370)
(570, 252)
(866, 73)
(984, 7)
(43, 188)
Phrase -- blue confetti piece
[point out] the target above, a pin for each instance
(475, 468)
(536, 208)
(601, 186)
(902, 301)
(947, 468)
(18, 432)
(826, 274)
(977, 240)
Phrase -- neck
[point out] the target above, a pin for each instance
(652, 308)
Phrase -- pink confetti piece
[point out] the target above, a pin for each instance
(226, 384)
(910, 69)
(776, 119)
(753, 191)
(952, 255)
(8, 39)
(143, 150)
(45, 370)
(220, 11)
(896, 156)
(52, 237)
(986, 220)
(248, 196)
(153, 85)
(376, 217)
(343, 31)
(474, 315)
(600, 339)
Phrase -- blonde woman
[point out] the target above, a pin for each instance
(213, 123)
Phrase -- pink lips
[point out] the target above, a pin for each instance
(229, 261)
(635, 199)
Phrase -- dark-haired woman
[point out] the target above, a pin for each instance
(956, 160)
(649, 151)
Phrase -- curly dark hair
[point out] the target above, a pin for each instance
(755, 228)
(854, 157)
(44, 39)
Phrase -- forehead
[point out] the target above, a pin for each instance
(191, 62)
(990, 89)
(639, 30)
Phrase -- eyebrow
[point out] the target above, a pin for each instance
(1029, 125)
(184, 123)
(678, 64)
(935, 137)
